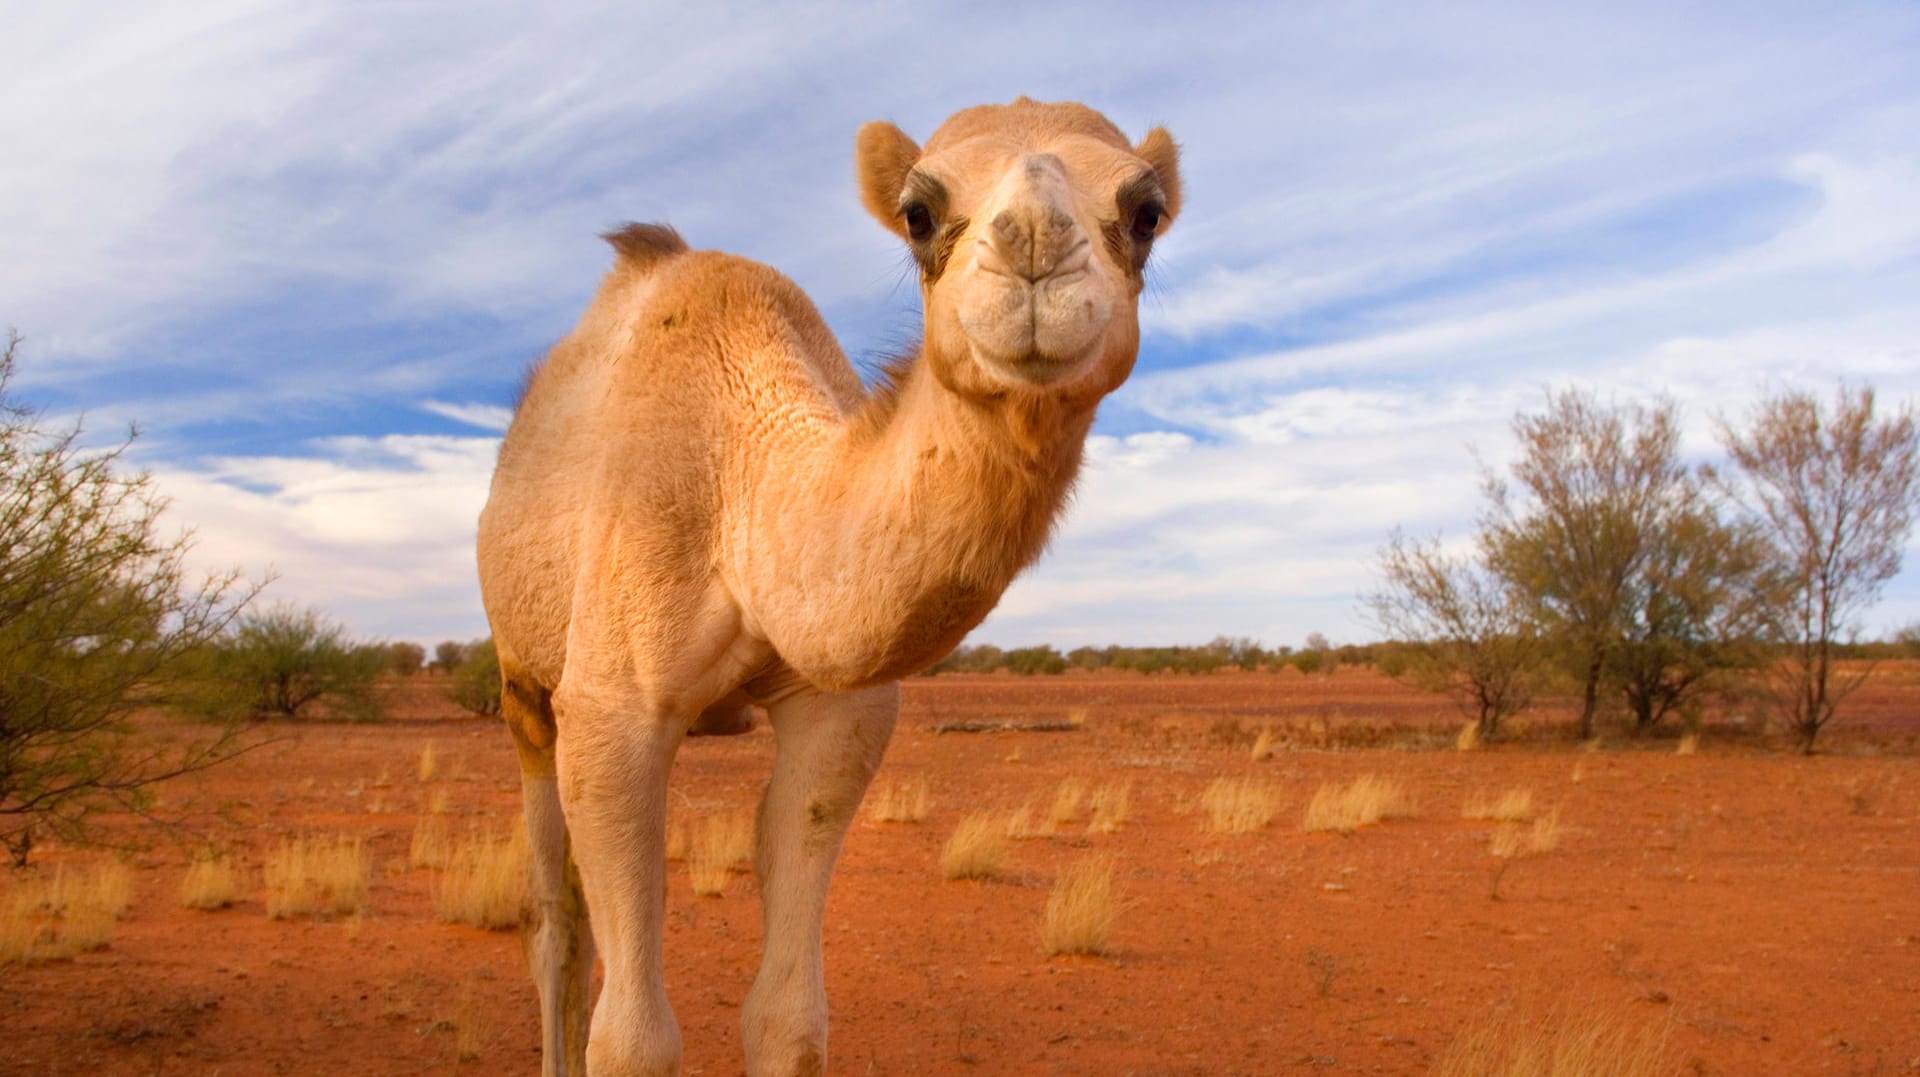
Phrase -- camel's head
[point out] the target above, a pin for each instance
(1032, 224)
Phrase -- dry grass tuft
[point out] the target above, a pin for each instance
(212, 882)
(1067, 801)
(1112, 807)
(1022, 826)
(55, 918)
(722, 845)
(1469, 738)
(1565, 1042)
(1239, 806)
(432, 844)
(1081, 908)
(1077, 717)
(317, 875)
(1689, 744)
(429, 763)
(485, 883)
(976, 849)
(1263, 745)
(438, 801)
(679, 837)
(1513, 806)
(1365, 802)
(902, 801)
(1511, 839)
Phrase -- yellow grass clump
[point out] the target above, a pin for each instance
(1239, 805)
(1022, 825)
(1565, 1042)
(1263, 745)
(1513, 806)
(317, 875)
(1689, 744)
(212, 882)
(432, 844)
(1366, 801)
(1067, 801)
(1081, 908)
(55, 918)
(1469, 738)
(723, 844)
(485, 883)
(902, 801)
(429, 763)
(976, 849)
(1112, 807)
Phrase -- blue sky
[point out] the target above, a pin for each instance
(311, 248)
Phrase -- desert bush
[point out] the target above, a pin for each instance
(1027, 661)
(317, 875)
(474, 684)
(1239, 805)
(1365, 801)
(1081, 908)
(485, 882)
(976, 849)
(405, 658)
(1565, 1041)
(99, 618)
(448, 655)
(899, 801)
(212, 881)
(289, 659)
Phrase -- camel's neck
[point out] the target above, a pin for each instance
(908, 525)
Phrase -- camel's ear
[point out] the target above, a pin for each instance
(882, 157)
(1159, 151)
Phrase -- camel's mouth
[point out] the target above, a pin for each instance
(1036, 332)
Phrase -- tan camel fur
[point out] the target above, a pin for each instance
(699, 509)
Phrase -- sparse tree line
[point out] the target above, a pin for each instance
(1609, 570)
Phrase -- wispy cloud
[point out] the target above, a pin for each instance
(294, 243)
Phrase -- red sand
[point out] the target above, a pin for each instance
(1763, 907)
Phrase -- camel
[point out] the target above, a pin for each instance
(698, 509)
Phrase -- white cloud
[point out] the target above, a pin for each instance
(485, 416)
(378, 531)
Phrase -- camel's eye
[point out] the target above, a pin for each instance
(919, 221)
(1146, 221)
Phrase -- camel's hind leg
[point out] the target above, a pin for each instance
(557, 936)
(828, 748)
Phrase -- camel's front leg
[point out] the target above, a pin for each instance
(613, 760)
(828, 749)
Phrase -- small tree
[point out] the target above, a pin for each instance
(1594, 482)
(448, 654)
(99, 618)
(1835, 493)
(1465, 630)
(405, 658)
(288, 659)
(475, 683)
(1696, 612)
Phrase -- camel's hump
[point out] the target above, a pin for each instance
(641, 245)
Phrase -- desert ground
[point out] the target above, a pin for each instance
(1749, 910)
